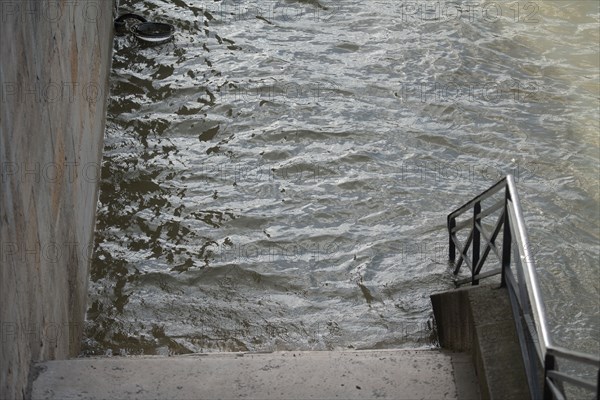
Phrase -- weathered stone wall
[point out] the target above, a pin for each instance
(54, 64)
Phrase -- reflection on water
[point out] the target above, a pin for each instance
(278, 176)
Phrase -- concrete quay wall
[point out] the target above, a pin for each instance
(478, 320)
(54, 65)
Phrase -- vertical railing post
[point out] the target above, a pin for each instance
(451, 246)
(549, 365)
(506, 240)
(476, 242)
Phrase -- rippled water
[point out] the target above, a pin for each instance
(278, 177)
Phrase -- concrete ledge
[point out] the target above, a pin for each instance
(478, 319)
(366, 374)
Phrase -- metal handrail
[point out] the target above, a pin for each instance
(525, 294)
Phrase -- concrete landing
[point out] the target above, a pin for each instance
(363, 374)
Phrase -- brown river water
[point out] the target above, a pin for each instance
(278, 176)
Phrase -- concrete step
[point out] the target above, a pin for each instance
(362, 374)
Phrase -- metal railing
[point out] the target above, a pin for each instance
(518, 274)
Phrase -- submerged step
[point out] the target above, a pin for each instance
(361, 374)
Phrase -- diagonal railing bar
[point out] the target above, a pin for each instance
(490, 242)
(463, 252)
(518, 274)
